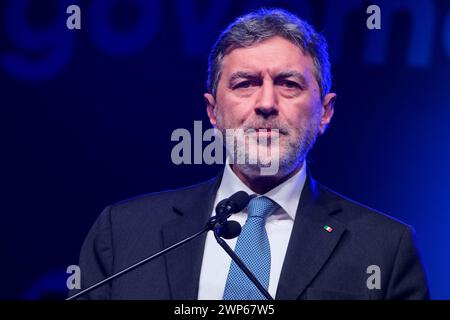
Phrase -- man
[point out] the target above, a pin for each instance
(268, 72)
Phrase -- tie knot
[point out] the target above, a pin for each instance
(261, 207)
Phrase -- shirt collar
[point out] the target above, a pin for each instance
(286, 195)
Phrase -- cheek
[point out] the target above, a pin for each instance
(303, 115)
(232, 110)
(230, 102)
(226, 116)
(301, 110)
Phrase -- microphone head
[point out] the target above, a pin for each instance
(235, 203)
(229, 230)
(221, 206)
(238, 201)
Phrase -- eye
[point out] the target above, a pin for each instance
(290, 84)
(243, 85)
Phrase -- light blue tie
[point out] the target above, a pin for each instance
(254, 249)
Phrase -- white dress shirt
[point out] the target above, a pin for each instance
(216, 263)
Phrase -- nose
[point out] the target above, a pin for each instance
(267, 105)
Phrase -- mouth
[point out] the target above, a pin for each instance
(267, 131)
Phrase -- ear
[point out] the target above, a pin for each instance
(327, 111)
(210, 107)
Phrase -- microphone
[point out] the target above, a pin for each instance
(218, 223)
(229, 230)
(235, 203)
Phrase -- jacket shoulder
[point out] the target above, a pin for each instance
(362, 216)
(165, 196)
(159, 204)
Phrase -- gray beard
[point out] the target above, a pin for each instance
(293, 152)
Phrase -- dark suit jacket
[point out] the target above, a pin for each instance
(318, 264)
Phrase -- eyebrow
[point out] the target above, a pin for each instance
(243, 75)
(282, 75)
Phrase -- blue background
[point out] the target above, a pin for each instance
(86, 118)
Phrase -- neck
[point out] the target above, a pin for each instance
(263, 184)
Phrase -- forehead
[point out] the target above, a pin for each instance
(271, 56)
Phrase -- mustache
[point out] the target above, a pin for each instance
(269, 125)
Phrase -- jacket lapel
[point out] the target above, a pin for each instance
(310, 244)
(184, 263)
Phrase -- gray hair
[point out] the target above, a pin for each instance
(261, 25)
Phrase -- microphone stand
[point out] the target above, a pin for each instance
(241, 265)
(214, 224)
(137, 264)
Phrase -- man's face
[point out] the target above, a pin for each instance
(271, 85)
